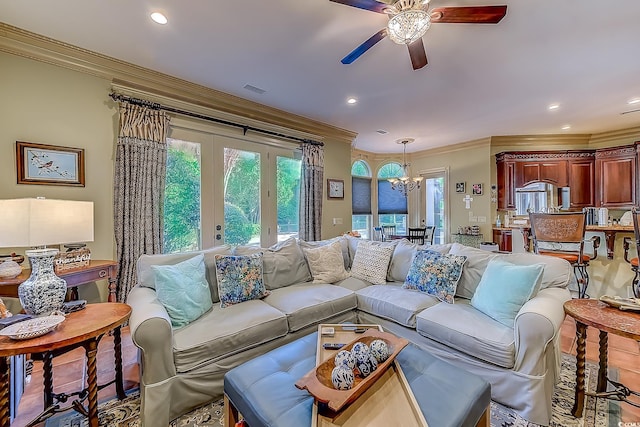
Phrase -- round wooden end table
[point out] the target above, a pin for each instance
(83, 328)
(589, 312)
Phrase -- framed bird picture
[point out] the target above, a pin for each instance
(49, 164)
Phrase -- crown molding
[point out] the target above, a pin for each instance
(476, 143)
(33, 46)
(630, 135)
(536, 141)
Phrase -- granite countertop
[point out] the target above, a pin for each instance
(620, 228)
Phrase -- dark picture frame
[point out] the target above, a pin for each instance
(476, 189)
(335, 189)
(42, 164)
(460, 187)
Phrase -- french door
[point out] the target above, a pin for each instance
(437, 203)
(248, 190)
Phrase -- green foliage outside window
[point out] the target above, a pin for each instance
(182, 201)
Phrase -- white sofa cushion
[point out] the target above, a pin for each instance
(226, 331)
(308, 303)
(283, 264)
(371, 262)
(403, 255)
(146, 277)
(326, 263)
(392, 302)
(344, 245)
(473, 269)
(353, 283)
(468, 330)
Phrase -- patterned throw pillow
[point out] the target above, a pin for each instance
(183, 290)
(435, 273)
(239, 278)
(326, 263)
(371, 262)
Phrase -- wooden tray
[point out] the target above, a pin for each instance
(318, 380)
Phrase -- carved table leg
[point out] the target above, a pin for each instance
(602, 371)
(4, 392)
(581, 335)
(91, 349)
(47, 375)
(526, 233)
(117, 349)
(112, 289)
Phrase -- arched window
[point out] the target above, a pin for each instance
(392, 204)
(361, 198)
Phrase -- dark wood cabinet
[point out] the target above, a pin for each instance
(616, 175)
(552, 172)
(582, 181)
(506, 171)
(503, 239)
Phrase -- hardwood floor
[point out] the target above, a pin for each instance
(69, 370)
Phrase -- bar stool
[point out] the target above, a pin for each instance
(562, 235)
(635, 214)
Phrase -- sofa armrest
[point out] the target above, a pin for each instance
(537, 327)
(151, 332)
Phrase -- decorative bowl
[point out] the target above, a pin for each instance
(9, 269)
(32, 328)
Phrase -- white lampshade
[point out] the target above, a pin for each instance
(40, 222)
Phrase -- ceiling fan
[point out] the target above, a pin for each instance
(409, 20)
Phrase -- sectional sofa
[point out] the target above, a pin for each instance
(182, 368)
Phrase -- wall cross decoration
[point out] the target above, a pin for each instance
(467, 201)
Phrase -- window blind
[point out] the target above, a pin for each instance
(390, 201)
(360, 195)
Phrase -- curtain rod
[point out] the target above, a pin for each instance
(245, 128)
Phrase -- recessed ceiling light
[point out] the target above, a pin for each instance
(553, 107)
(634, 101)
(159, 18)
(566, 127)
(351, 100)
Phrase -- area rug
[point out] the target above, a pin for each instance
(597, 413)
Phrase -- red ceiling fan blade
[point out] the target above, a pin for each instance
(371, 5)
(417, 54)
(469, 15)
(357, 52)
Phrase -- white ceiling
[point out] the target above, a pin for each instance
(482, 80)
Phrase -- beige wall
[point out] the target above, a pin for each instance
(49, 104)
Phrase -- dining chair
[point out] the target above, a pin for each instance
(562, 235)
(430, 232)
(388, 230)
(635, 214)
(417, 235)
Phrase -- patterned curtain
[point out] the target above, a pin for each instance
(141, 162)
(311, 191)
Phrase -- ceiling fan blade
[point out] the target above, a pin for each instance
(469, 15)
(357, 52)
(371, 5)
(417, 54)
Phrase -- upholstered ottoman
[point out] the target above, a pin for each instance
(263, 389)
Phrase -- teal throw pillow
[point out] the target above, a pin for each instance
(505, 287)
(183, 290)
(435, 273)
(239, 278)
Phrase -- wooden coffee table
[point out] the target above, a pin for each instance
(83, 328)
(589, 312)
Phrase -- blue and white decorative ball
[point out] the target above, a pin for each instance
(344, 357)
(365, 368)
(360, 352)
(342, 377)
(380, 350)
(374, 363)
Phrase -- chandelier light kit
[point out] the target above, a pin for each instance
(409, 21)
(405, 183)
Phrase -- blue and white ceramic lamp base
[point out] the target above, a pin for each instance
(43, 292)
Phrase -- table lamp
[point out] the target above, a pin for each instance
(37, 223)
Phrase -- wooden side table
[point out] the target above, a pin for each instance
(83, 328)
(589, 312)
(96, 270)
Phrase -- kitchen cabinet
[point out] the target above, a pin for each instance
(616, 175)
(552, 172)
(582, 182)
(503, 238)
(506, 171)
